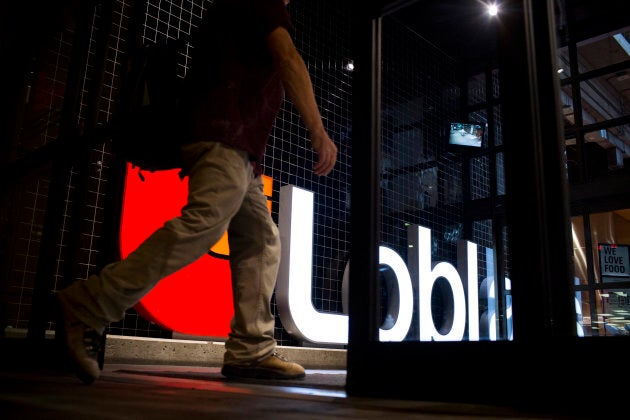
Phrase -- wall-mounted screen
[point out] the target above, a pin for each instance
(466, 135)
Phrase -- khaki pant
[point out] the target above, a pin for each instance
(223, 194)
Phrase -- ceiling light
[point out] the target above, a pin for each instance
(493, 9)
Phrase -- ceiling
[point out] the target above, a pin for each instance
(464, 30)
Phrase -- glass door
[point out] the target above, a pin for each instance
(461, 206)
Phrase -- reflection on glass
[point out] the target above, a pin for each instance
(477, 89)
(500, 174)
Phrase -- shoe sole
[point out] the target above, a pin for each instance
(256, 373)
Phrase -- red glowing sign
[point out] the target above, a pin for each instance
(197, 299)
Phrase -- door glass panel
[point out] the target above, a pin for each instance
(594, 102)
(602, 272)
(435, 218)
(594, 52)
(615, 316)
(604, 50)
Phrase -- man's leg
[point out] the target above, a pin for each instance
(254, 259)
(218, 181)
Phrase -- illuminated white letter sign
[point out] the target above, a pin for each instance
(294, 288)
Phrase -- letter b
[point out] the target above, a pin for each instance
(420, 265)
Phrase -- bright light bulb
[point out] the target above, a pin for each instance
(493, 9)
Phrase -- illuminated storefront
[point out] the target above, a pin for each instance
(452, 263)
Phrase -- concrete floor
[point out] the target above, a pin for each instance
(37, 385)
